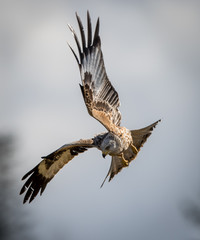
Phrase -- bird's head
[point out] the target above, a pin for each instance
(110, 145)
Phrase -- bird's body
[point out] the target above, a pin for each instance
(102, 102)
(115, 143)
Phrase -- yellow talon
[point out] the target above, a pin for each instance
(134, 149)
(126, 162)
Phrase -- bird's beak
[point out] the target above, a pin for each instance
(104, 154)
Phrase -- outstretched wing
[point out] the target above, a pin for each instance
(40, 175)
(139, 138)
(100, 97)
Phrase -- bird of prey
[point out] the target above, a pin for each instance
(102, 102)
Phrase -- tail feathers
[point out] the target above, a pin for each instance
(116, 165)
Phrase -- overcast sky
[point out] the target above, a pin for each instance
(151, 52)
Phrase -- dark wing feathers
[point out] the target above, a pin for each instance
(40, 175)
(77, 43)
(89, 26)
(139, 138)
(100, 97)
(96, 34)
(35, 183)
(82, 32)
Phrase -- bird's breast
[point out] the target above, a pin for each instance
(125, 136)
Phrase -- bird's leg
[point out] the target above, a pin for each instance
(134, 149)
(126, 162)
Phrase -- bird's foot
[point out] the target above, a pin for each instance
(134, 149)
(126, 162)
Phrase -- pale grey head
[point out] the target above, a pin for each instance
(111, 145)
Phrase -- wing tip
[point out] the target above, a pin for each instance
(155, 124)
(96, 39)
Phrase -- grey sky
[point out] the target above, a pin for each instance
(151, 52)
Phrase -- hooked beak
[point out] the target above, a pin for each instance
(104, 154)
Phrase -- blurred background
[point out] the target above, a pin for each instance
(152, 57)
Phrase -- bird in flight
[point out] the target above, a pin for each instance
(102, 102)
